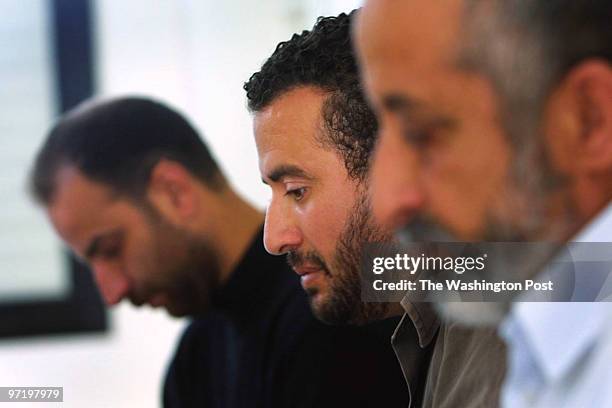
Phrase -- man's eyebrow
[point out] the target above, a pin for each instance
(92, 248)
(399, 103)
(286, 170)
(94, 245)
(407, 108)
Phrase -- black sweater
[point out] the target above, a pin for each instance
(260, 346)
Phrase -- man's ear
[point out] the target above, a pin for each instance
(590, 83)
(172, 190)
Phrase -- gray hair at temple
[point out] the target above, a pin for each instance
(526, 48)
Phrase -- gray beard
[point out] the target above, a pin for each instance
(524, 264)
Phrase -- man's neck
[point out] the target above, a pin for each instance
(236, 224)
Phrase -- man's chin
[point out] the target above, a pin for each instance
(178, 311)
(321, 308)
(318, 298)
(317, 301)
(331, 311)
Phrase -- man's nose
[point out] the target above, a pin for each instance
(397, 193)
(281, 234)
(112, 283)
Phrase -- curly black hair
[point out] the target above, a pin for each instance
(323, 57)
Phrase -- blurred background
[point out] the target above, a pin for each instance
(194, 55)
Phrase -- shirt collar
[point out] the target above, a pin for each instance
(557, 334)
(424, 319)
(598, 230)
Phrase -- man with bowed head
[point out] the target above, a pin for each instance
(496, 125)
(315, 134)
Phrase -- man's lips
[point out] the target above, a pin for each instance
(305, 270)
(310, 276)
(158, 300)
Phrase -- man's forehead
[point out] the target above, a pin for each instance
(288, 131)
(74, 189)
(294, 115)
(412, 31)
(77, 203)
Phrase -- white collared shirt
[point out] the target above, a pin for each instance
(560, 354)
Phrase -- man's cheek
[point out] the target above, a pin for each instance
(314, 220)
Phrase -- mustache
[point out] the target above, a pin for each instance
(136, 300)
(296, 259)
(139, 295)
(422, 229)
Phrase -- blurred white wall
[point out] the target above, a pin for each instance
(195, 55)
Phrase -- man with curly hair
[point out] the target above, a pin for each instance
(315, 135)
(309, 108)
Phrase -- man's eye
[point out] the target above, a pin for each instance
(418, 137)
(110, 252)
(428, 134)
(297, 193)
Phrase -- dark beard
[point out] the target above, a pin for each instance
(199, 279)
(345, 305)
(192, 276)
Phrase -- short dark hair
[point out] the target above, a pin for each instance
(118, 142)
(323, 57)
